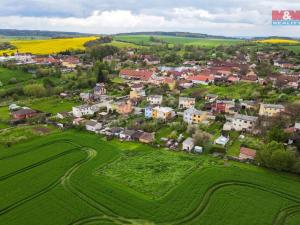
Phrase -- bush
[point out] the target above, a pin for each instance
(217, 149)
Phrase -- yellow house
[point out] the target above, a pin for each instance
(194, 116)
(164, 113)
(134, 95)
(270, 109)
(199, 117)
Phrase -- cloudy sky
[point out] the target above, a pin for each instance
(219, 17)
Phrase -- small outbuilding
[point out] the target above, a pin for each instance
(188, 144)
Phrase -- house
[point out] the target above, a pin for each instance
(164, 113)
(249, 79)
(78, 121)
(13, 107)
(247, 153)
(99, 90)
(137, 134)
(137, 87)
(143, 75)
(201, 79)
(297, 126)
(155, 99)
(124, 107)
(70, 62)
(84, 110)
(185, 102)
(86, 97)
(127, 135)
(194, 116)
(188, 144)
(148, 112)
(170, 82)
(137, 94)
(270, 109)
(185, 84)
(92, 125)
(233, 79)
(62, 115)
(243, 123)
(222, 140)
(223, 106)
(147, 138)
(23, 113)
(116, 131)
(198, 149)
(211, 98)
(151, 60)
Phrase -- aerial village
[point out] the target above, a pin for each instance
(149, 101)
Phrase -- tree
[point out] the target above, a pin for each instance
(276, 134)
(201, 137)
(36, 90)
(101, 71)
(274, 155)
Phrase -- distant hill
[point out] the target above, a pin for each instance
(31, 33)
(179, 34)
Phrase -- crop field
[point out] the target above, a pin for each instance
(145, 40)
(278, 41)
(49, 46)
(76, 178)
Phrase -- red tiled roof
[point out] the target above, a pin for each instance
(168, 80)
(248, 151)
(233, 78)
(201, 78)
(140, 74)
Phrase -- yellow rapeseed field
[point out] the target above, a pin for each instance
(49, 46)
(278, 41)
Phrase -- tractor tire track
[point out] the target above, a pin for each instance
(108, 213)
(32, 166)
(39, 193)
(284, 213)
(35, 148)
(197, 212)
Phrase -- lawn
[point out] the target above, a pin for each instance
(144, 40)
(49, 46)
(6, 76)
(74, 177)
(51, 104)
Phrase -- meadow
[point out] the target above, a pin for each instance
(145, 40)
(48, 46)
(7, 76)
(79, 178)
(52, 104)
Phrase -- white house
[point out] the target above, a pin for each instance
(221, 140)
(155, 99)
(188, 144)
(185, 102)
(84, 110)
(92, 125)
(270, 109)
(242, 122)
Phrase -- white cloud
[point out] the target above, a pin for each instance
(232, 22)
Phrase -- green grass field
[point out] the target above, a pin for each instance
(144, 40)
(79, 178)
(6, 75)
(50, 104)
